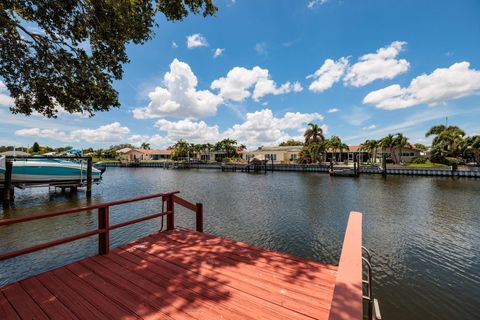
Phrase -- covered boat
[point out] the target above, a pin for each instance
(343, 172)
(48, 171)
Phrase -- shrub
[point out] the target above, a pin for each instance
(451, 161)
(419, 160)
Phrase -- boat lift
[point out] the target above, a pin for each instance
(7, 188)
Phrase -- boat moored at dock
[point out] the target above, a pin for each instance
(33, 171)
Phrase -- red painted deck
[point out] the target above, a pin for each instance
(178, 274)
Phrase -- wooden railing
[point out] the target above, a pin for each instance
(104, 227)
(347, 302)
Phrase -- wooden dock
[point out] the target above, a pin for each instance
(185, 274)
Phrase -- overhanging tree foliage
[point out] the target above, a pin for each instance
(66, 54)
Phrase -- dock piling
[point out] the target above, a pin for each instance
(8, 192)
(170, 217)
(199, 217)
(104, 237)
(384, 165)
(89, 177)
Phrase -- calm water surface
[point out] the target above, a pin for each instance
(423, 232)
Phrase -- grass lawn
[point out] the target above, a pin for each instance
(103, 160)
(427, 164)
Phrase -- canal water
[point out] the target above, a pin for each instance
(423, 232)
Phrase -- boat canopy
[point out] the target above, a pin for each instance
(73, 151)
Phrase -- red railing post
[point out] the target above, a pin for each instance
(103, 224)
(199, 217)
(171, 215)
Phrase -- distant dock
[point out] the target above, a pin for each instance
(319, 168)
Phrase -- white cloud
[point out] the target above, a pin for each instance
(61, 111)
(113, 132)
(330, 72)
(297, 87)
(5, 99)
(54, 134)
(179, 96)
(155, 140)
(106, 133)
(196, 40)
(195, 132)
(313, 3)
(263, 128)
(218, 52)
(261, 48)
(238, 82)
(268, 86)
(380, 65)
(370, 127)
(259, 128)
(333, 110)
(441, 85)
(174, 45)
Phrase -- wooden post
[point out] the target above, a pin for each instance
(357, 164)
(89, 177)
(7, 185)
(354, 166)
(199, 217)
(170, 217)
(384, 164)
(104, 237)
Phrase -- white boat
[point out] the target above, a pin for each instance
(48, 171)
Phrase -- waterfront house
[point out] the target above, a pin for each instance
(290, 154)
(347, 155)
(407, 155)
(133, 154)
(284, 154)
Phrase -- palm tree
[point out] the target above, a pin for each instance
(180, 149)
(336, 144)
(449, 139)
(209, 147)
(401, 142)
(473, 144)
(316, 150)
(313, 134)
(371, 146)
(420, 146)
(145, 146)
(387, 143)
(305, 156)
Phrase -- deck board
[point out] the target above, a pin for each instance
(50, 304)
(212, 265)
(179, 274)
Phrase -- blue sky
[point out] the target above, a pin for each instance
(361, 69)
